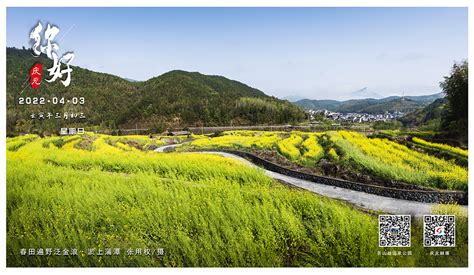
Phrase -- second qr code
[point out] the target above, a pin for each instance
(439, 231)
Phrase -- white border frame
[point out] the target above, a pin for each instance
(216, 3)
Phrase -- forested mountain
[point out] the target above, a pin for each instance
(174, 99)
(191, 98)
(430, 113)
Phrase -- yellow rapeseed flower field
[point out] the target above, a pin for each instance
(395, 161)
(86, 192)
(444, 147)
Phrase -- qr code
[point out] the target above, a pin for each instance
(439, 231)
(394, 230)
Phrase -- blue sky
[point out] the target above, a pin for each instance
(316, 53)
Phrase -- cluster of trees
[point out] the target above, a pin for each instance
(448, 115)
(263, 111)
(455, 87)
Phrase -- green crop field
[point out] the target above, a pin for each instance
(99, 192)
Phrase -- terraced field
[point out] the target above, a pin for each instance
(356, 152)
(99, 192)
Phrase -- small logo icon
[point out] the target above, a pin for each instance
(394, 230)
(35, 75)
(439, 231)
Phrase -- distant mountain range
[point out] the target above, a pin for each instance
(292, 98)
(131, 80)
(364, 93)
(371, 105)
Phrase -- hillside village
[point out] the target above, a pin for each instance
(354, 117)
